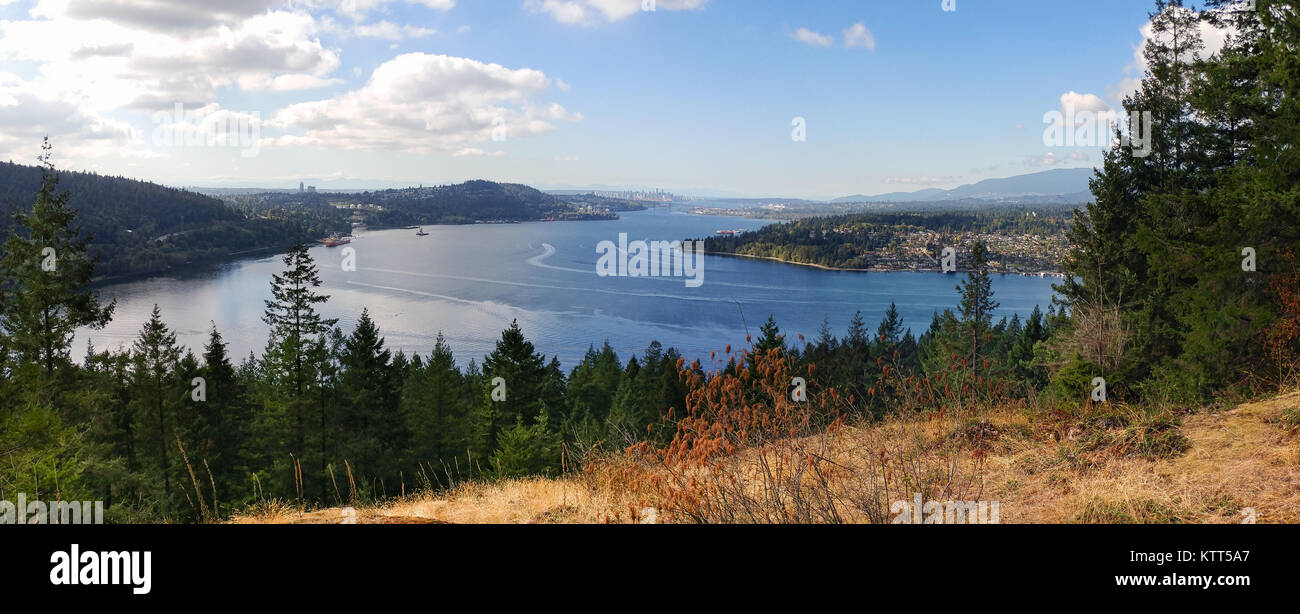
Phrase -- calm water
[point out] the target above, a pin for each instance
(470, 281)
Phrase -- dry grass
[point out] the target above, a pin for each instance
(523, 501)
(1039, 470)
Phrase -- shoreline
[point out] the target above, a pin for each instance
(1056, 274)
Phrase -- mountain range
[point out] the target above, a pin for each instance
(1057, 185)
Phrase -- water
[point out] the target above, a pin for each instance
(470, 281)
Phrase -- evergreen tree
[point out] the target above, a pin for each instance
(375, 432)
(45, 277)
(977, 306)
(216, 427)
(293, 349)
(523, 372)
(436, 402)
(155, 362)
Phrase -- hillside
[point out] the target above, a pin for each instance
(1020, 243)
(478, 201)
(1215, 467)
(142, 228)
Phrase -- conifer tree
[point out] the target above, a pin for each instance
(294, 349)
(522, 370)
(977, 306)
(45, 276)
(155, 361)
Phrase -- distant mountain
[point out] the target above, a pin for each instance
(1057, 185)
(926, 194)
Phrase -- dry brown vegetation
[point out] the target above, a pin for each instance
(1098, 464)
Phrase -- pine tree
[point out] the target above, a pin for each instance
(977, 306)
(436, 402)
(770, 339)
(294, 349)
(370, 420)
(217, 425)
(522, 370)
(155, 361)
(526, 449)
(45, 277)
(890, 332)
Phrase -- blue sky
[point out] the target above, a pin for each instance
(697, 96)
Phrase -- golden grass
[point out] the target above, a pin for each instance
(522, 501)
(1237, 459)
(1243, 458)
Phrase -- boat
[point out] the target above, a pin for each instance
(730, 233)
(335, 241)
(422, 233)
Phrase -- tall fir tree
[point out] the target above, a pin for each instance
(45, 276)
(518, 371)
(155, 360)
(294, 350)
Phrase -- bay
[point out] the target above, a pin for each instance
(470, 282)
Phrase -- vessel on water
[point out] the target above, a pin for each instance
(335, 241)
(422, 233)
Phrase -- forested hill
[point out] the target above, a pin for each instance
(1019, 241)
(142, 228)
(480, 201)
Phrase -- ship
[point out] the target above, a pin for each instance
(422, 233)
(730, 233)
(335, 241)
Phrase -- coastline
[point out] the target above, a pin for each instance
(823, 267)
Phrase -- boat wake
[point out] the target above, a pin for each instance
(548, 250)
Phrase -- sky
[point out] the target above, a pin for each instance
(695, 96)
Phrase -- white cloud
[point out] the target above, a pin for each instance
(563, 11)
(357, 10)
(285, 83)
(154, 14)
(1083, 102)
(858, 35)
(29, 112)
(1213, 39)
(1047, 159)
(1077, 109)
(388, 30)
(1051, 159)
(420, 102)
(124, 65)
(809, 37)
(474, 152)
(103, 67)
(590, 12)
